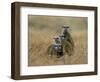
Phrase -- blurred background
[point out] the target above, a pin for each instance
(42, 30)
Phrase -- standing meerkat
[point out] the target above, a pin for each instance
(68, 42)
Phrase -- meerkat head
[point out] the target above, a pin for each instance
(55, 38)
(62, 36)
(65, 26)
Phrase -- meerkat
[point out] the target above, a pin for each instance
(68, 43)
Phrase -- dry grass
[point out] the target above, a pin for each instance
(40, 40)
(41, 31)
